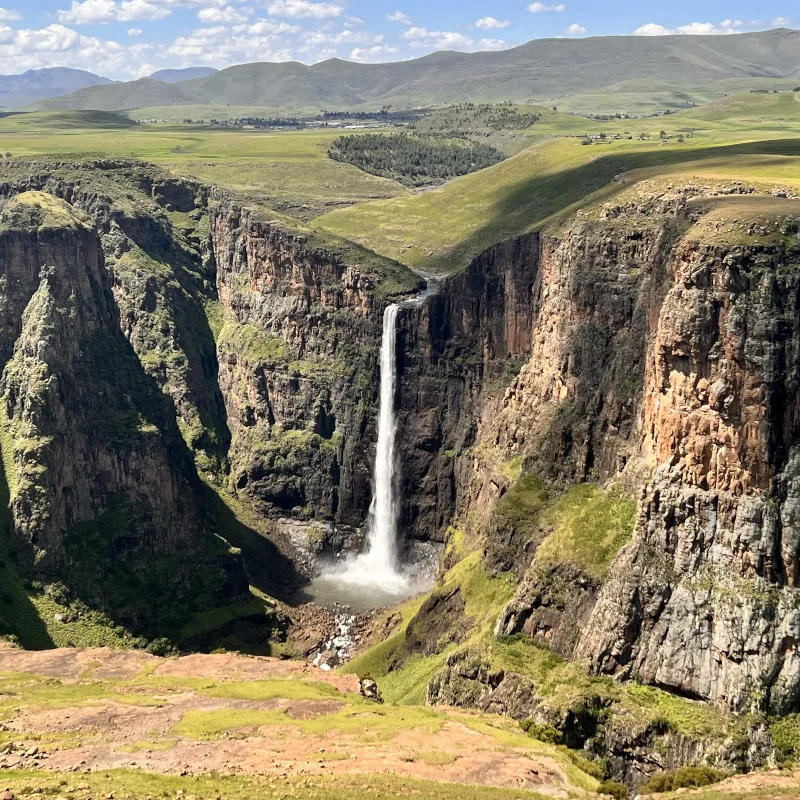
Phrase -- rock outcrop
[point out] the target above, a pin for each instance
(298, 369)
(102, 485)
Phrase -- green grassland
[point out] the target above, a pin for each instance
(289, 171)
(130, 784)
(751, 137)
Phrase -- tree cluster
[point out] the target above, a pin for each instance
(413, 160)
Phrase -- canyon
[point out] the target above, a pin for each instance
(169, 351)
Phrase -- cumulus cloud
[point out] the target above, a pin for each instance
(223, 15)
(493, 44)
(491, 22)
(58, 46)
(134, 32)
(540, 8)
(693, 28)
(400, 16)
(304, 9)
(436, 40)
(380, 52)
(221, 45)
(576, 30)
(265, 27)
(93, 12)
(9, 14)
(778, 22)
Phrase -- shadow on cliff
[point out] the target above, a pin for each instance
(18, 615)
(267, 568)
(526, 205)
(184, 294)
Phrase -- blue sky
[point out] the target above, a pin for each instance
(129, 38)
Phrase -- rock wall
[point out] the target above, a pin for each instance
(660, 334)
(455, 353)
(299, 371)
(102, 485)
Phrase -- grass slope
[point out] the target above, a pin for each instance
(444, 229)
(587, 523)
(287, 171)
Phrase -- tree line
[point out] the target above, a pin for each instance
(413, 160)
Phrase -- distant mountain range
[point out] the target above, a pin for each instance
(38, 84)
(541, 69)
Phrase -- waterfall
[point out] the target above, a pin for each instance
(377, 573)
(378, 565)
(384, 510)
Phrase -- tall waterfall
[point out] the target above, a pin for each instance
(376, 577)
(384, 510)
(378, 565)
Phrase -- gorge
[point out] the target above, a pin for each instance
(593, 421)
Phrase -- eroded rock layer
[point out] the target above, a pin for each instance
(660, 338)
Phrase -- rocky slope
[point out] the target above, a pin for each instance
(654, 340)
(101, 482)
(247, 349)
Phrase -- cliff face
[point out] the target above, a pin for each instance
(101, 483)
(298, 355)
(710, 582)
(660, 341)
(456, 351)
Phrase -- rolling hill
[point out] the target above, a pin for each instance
(38, 84)
(186, 74)
(540, 69)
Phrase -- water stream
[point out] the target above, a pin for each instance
(376, 577)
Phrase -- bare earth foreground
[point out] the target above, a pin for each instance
(97, 723)
(94, 710)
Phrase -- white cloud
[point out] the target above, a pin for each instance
(693, 28)
(400, 16)
(8, 14)
(491, 22)
(92, 12)
(6, 33)
(539, 8)
(225, 14)
(780, 22)
(304, 9)
(133, 32)
(381, 52)
(263, 27)
(221, 46)
(576, 30)
(325, 42)
(493, 44)
(59, 46)
(437, 40)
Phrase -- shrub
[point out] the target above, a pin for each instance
(785, 733)
(162, 647)
(541, 731)
(684, 777)
(616, 789)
